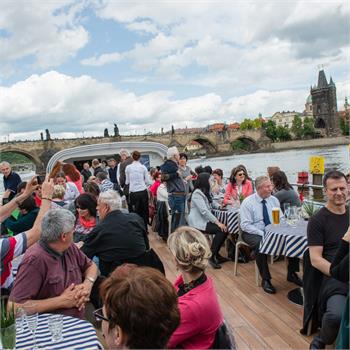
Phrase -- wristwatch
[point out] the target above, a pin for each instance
(90, 279)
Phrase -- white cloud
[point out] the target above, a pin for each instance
(74, 105)
(102, 60)
(234, 42)
(48, 31)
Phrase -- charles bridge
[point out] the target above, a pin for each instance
(40, 152)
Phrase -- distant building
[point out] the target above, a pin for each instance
(193, 146)
(233, 126)
(345, 114)
(285, 119)
(217, 127)
(324, 105)
(308, 107)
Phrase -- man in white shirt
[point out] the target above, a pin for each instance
(255, 213)
(137, 178)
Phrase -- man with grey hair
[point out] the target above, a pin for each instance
(11, 181)
(255, 214)
(118, 238)
(55, 275)
(175, 186)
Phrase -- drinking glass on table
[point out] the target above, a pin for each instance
(20, 314)
(286, 208)
(31, 317)
(293, 218)
(55, 326)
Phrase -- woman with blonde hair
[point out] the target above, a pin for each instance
(200, 312)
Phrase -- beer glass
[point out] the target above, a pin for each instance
(276, 216)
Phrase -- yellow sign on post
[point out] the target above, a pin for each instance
(317, 165)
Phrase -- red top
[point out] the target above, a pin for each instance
(154, 187)
(232, 191)
(37, 200)
(200, 317)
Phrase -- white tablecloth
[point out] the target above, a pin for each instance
(77, 334)
(285, 240)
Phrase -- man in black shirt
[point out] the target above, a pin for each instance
(11, 179)
(86, 172)
(118, 238)
(325, 231)
(112, 171)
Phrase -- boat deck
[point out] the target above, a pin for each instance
(259, 320)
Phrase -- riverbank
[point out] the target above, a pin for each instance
(289, 145)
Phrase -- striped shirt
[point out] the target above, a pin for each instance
(106, 185)
(10, 248)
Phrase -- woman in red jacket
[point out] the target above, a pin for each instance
(200, 311)
(239, 187)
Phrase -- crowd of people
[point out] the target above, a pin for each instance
(84, 237)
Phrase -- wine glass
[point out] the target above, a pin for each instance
(31, 317)
(55, 323)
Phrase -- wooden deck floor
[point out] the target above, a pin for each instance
(259, 320)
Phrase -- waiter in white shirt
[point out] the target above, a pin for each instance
(138, 179)
(255, 213)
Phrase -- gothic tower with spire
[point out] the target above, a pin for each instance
(324, 105)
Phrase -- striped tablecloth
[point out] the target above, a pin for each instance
(229, 218)
(285, 240)
(77, 334)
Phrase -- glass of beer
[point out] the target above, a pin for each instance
(276, 216)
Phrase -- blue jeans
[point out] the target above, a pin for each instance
(177, 207)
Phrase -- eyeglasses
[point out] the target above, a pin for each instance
(241, 174)
(99, 315)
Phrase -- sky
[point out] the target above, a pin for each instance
(78, 67)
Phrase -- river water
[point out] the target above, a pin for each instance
(291, 162)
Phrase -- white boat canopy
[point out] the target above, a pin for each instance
(152, 152)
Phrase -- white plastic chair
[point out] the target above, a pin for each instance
(240, 242)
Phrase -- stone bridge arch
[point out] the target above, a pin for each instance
(205, 142)
(39, 166)
(247, 142)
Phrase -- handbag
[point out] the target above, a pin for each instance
(224, 338)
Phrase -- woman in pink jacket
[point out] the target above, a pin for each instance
(239, 187)
(200, 311)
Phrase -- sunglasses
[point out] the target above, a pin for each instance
(98, 314)
(241, 174)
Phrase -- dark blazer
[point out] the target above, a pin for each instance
(118, 238)
(122, 176)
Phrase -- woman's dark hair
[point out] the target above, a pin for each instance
(208, 169)
(202, 183)
(280, 181)
(87, 201)
(183, 155)
(218, 172)
(61, 174)
(143, 303)
(28, 204)
(199, 169)
(156, 174)
(234, 172)
(22, 185)
(92, 188)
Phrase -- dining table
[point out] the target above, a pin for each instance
(76, 334)
(289, 241)
(228, 217)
